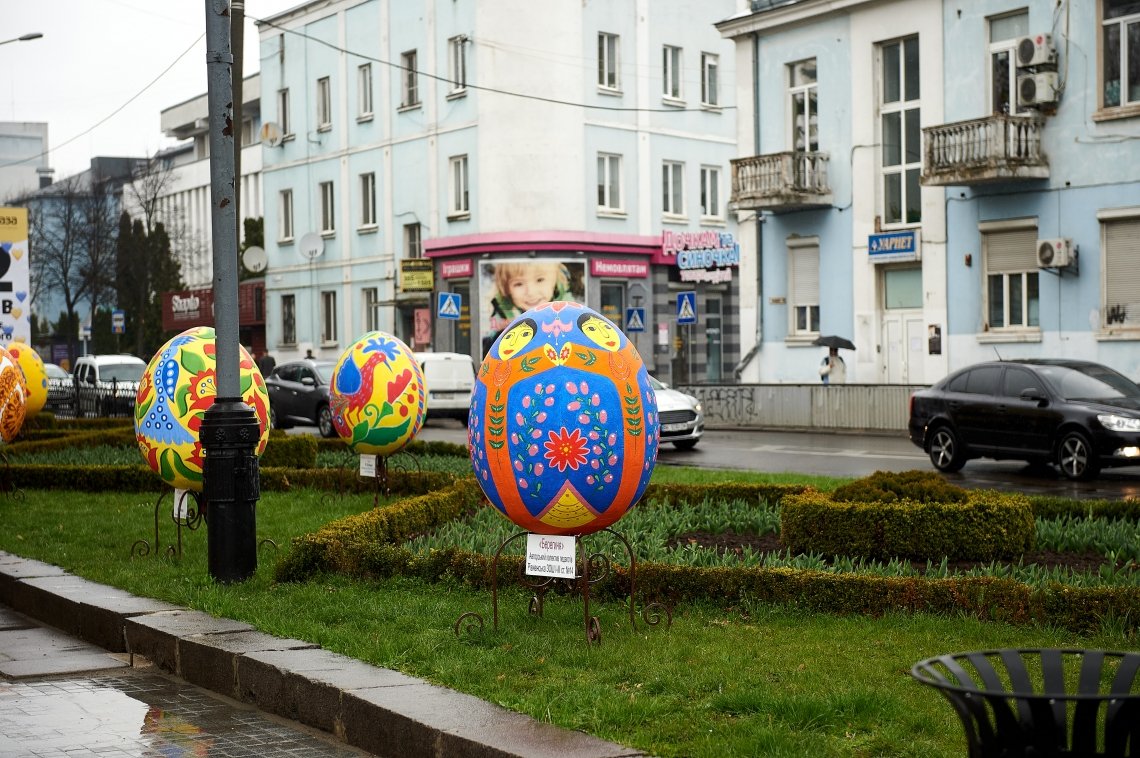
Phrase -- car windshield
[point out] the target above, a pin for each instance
(55, 372)
(656, 385)
(122, 372)
(1090, 382)
(325, 372)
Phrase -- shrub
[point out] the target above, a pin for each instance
(889, 487)
(987, 526)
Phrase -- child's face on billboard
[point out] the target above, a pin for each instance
(533, 286)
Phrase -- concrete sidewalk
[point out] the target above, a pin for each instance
(378, 710)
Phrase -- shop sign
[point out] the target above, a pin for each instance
(619, 269)
(893, 247)
(416, 275)
(705, 256)
(456, 269)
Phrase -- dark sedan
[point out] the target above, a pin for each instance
(299, 394)
(1078, 415)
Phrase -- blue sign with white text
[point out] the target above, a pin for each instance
(893, 246)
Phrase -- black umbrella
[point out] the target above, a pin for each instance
(832, 340)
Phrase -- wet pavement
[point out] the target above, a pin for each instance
(60, 696)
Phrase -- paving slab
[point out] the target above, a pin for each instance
(40, 651)
(156, 635)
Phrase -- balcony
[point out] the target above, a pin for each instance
(997, 148)
(780, 182)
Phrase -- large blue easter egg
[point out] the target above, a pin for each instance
(563, 424)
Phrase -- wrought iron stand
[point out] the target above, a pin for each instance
(189, 518)
(593, 568)
(404, 462)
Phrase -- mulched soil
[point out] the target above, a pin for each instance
(731, 542)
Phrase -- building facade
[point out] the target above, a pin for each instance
(941, 184)
(23, 159)
(430, 156)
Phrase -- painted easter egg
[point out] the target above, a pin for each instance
(35, 376)
(13, 396)
(563, 424)
(377, 396)
(177, 387)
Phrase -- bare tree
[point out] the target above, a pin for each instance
(150, 198)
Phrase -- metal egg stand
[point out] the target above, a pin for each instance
(399, 462)
(187, 513)
(593, 568)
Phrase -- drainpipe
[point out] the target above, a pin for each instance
(736, 372)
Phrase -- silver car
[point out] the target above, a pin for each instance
(682, 421)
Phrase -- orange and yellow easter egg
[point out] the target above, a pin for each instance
(179, 384)
(13, 396)
(35, 377)
(377, 395)
(563, 429)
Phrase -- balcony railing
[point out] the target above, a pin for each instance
(781, 182)
(997, 148)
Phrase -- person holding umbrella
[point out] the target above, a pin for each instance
(833, 369)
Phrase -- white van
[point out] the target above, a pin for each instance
(450, 378)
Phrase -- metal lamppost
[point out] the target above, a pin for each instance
(22, 38)
(230, 430)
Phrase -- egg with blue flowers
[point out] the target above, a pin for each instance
(177, 387)
(563, 428)
(377, 395)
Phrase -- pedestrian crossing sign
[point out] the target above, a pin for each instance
(449, 305)
(634, 320)
(687, 307)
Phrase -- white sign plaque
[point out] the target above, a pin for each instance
(368, 466)
(550, 556)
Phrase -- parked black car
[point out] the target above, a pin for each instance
(299, 394)
(1079, 415)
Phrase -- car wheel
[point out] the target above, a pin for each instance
(945, 450)
(685, 444)
(276, 422)
(325, 422)
(1075, 457)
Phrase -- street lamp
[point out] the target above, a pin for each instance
(23, 38)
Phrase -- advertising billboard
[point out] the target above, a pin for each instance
(15, 306)
(511, 287)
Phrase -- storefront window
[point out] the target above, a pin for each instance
(463, 325)
(613, 303)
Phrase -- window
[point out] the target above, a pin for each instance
(613, 302)
(710, 192)
(608, 62)
(457, 63)
(285, 215)
(1012, 300)
(328, 316)
(1120, 51)
(458, 186)
(609, 182)
(410, 87)
(709, 83)
(1004, 33)
(328, 217)
(364, 91)
(324, 104)
(413, 247)
(247, 133)
(1120, 241)
(368, 200)
(803, 289)
(902, 287)
(371, 298)
(283, 111)
(289, 319)
(804, 106)
(673, 188)
(671, 72)
(901, 136)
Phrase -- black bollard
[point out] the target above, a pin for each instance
(231, 486)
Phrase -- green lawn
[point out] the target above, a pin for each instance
(746, 679)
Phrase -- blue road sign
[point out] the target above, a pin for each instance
(634, 320)
(687, 307)
(449, 305)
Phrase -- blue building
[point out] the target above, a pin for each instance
(420, 148)
(941, 182)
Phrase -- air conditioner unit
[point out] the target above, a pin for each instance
(1036, 50)
(1038, 89)
(1054, 253)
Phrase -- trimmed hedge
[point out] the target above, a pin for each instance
(987, 526)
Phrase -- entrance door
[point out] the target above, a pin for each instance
(903, 341)
(713, 349)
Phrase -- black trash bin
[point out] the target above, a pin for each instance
(1041, 702)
